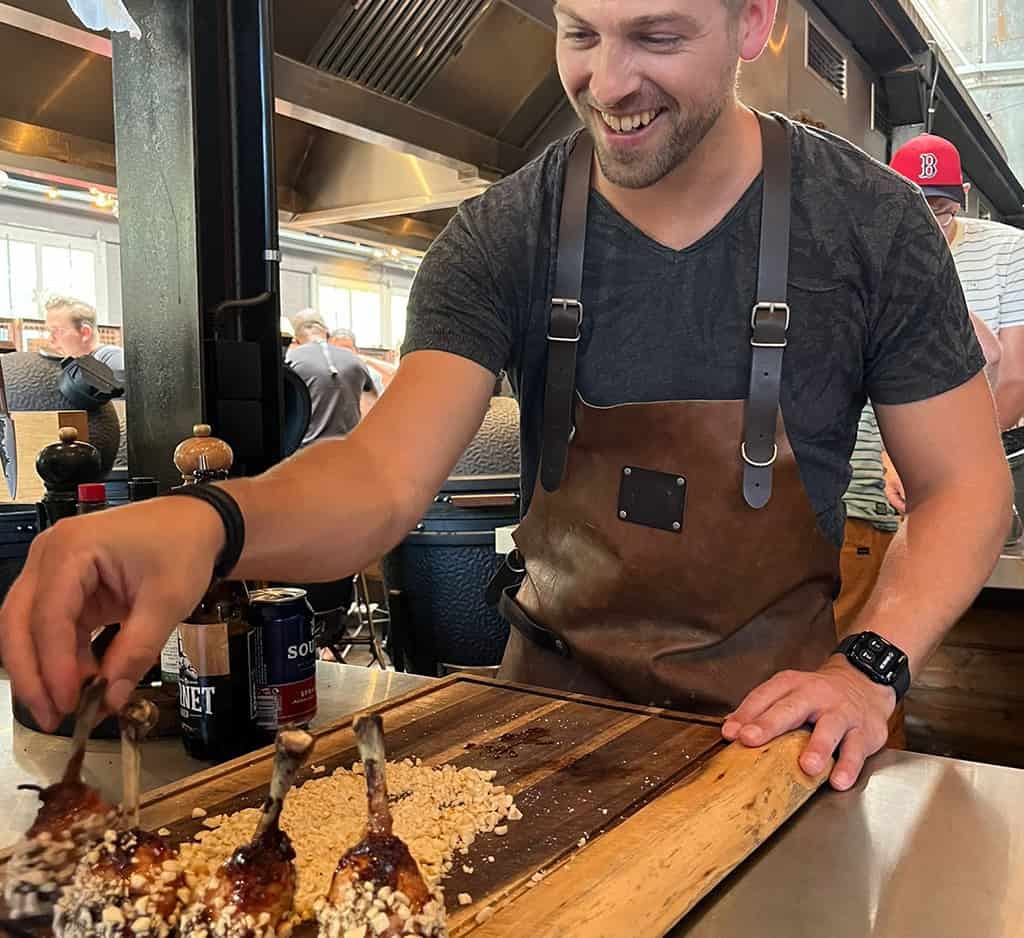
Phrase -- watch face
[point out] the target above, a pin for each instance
(877, 657)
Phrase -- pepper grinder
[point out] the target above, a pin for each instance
(203, 457)
(63, 466)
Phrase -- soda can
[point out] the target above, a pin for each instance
(285, 665)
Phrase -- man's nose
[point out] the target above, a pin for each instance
(614, 78)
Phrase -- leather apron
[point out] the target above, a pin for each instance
(670, 555)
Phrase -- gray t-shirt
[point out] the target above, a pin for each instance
(336, 379)
(877, 307)
(113, 357)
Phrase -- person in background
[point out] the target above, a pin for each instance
(336, 378)
(381, 372)
(72, 327)
(989, 258)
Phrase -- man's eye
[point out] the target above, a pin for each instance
(659, 41)
(576, 35)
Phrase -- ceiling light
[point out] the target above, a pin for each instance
(52, 194)
(4, 179)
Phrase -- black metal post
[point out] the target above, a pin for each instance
(194, 102)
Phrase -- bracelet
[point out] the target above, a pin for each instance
(231, 517)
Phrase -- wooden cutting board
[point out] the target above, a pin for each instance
(663, 807)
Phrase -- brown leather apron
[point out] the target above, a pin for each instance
(672, 556)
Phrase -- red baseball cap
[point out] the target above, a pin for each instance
(934, 164)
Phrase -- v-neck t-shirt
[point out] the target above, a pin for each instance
(876, 305)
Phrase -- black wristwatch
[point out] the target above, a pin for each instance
(880, 660)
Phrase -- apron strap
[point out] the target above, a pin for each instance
(566, 317)
(769, 320)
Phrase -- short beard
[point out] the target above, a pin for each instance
(641, 170)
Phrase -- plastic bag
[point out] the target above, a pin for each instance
(106, 14)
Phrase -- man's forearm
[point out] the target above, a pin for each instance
(324, 514)
(1010, 400)
(937, 563)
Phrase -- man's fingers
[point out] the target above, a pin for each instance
(854, 751)
(828, 733)
(787, 714)
(18, 652)
(54, 620)
(137, 646)
(758, 701)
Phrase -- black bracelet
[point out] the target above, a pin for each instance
(230, 515)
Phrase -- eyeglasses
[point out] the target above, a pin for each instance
(945, 218)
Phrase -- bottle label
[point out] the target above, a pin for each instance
(169, 658)
(204, 668)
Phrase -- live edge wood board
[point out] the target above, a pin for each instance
(666, 809)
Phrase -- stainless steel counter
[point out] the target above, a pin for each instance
(923, 846)
(1009, 572)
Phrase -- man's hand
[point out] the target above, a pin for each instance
(893, 485)
(847, 709)
(144, 566)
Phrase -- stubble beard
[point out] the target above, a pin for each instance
(690, 126)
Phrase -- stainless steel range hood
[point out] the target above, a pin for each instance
(389, 112)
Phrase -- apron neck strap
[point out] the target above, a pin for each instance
(566, 318)
(769, 319)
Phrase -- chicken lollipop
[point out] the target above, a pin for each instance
(72, 816)
(130, 885)
(378, 890)
(252, 894)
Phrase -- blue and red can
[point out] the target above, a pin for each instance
(285, 667)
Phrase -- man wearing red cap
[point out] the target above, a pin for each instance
(989, 258)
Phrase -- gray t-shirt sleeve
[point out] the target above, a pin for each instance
(111, 355)
(921, 341)
(457, 303)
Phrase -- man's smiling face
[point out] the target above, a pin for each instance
(648, 78)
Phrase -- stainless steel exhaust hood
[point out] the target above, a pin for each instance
(389, 112)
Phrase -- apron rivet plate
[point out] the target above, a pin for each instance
(676, 526)
(627, 471)
(623, 515)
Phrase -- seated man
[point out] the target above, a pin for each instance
(336, 378)
(73, 332)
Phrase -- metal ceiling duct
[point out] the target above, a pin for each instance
(395, 47)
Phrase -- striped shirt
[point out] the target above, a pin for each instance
(989, 257)
(865, 498)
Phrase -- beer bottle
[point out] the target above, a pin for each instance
(200, 458)
(216, 694)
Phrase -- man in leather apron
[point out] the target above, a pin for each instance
(681, 539)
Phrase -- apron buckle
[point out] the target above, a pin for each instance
(566, 305)
(754, 463)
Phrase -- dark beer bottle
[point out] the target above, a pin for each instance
(216, 694)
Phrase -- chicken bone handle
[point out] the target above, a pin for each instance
(293, 747)
(137, 719)
(369, 732)
(87, 715)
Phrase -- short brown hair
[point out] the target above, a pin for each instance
(79, 312)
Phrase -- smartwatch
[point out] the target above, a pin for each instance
(880, 660)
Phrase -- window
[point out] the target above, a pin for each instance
(35, 265)
(399, 302)
(68, 272)
(18, 290)
(366, 318)
(334, 305)
(352, 305)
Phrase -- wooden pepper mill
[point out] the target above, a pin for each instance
(203, 457)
